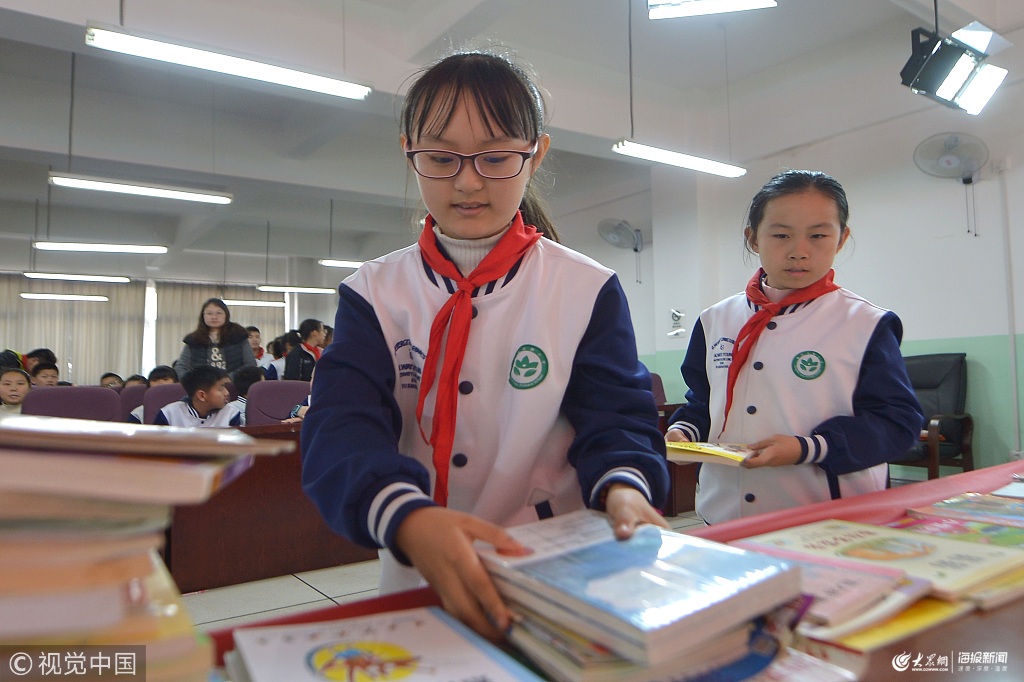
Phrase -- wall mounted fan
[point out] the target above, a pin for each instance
(621, 234)
(952, 155)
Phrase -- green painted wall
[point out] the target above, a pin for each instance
(989, 392)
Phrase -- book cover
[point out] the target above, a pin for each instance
(51, 578)
(999, 590)
(63, 434)
(951, 566)
(70, 553)
(1006, 511)
(16, 504)
(415, 645)
(156, 479)
(639, 597)
(729, 454)
(962, 529)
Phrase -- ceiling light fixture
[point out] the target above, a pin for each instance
(665, 9)
(295, 290)
(63, 297)
(953, 70)
(332, 263)
(75, 181)
(77, 278)
(99, 248)
(255, 304)
(160, 50)
(628, 147)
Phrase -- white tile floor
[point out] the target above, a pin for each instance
(274, 597)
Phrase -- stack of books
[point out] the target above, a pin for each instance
(84, 507)
(660, 605)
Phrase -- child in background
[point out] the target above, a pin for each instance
(244, 379)
(806, 373)
(45, 374)
(112, 380)
(485, 376)
(161, 374)
(15, 383)
(205, 402)
(135, 379)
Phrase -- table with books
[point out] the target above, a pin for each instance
(971, 643)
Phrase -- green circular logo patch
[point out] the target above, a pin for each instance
(808, 365)
(529, 367)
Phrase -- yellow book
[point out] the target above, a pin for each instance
(730, 454)
(920, 616)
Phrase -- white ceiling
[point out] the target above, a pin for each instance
(698, 86)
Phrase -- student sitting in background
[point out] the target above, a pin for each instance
(135, 379)
(161, 374)
(112, 380)
(244, 379)
(205, 403)
(14, 384)
(45, 374)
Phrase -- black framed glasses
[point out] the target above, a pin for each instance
(494, 164)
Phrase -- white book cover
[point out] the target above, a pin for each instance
(415, 645)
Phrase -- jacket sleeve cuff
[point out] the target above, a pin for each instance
(813, 449)
(387, 511)
(691, 431)
(628, 475)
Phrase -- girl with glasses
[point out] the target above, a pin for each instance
(485, 376)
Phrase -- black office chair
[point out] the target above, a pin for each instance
(940, 383)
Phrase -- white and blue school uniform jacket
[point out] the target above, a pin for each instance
(181, 413)
(553, 403)
(828, 371)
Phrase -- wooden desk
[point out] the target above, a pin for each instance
(260, 526)
(1000, 630)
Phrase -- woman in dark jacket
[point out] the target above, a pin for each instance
(216, 341)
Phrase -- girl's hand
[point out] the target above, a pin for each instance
(439, 543)
(627, 508)
(775, 451)
(676, 436)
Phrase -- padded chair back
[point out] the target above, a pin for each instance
(131, 397)
(156, 397)
(658, 388)
(940, 383)
(268, 402)
(76, 402)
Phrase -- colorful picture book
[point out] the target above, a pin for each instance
(1006, 511)
(414, 645)
(961, 529)
(953, 567)
(729, 454)
(639, 597)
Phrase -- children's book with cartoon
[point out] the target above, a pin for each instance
(1006, 511)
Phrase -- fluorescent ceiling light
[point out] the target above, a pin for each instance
(255, 304)
(163, 51)
(331, 263)
(295, 290)
(76, 278)
(663, 9)
(63, 297)
(642, 151)
(99, 248)
(121, 187)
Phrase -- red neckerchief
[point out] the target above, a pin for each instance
(259, 353)
(314, 350)
(757, 323)
(454, 317)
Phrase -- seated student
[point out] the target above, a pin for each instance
(135, 379)
(112, 380)
(244, 379)
(14, 384)
(45, 374)
(161, 374)
(205, 403)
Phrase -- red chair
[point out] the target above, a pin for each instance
(268, 402)
(76, 402)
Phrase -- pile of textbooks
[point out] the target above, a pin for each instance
(660, 605)
(84, 507)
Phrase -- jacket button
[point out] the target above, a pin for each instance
(751, 409)
(459, 459)
(772, 325)
(758, 365)
(475, 311)
(465, 387)
(749, 497)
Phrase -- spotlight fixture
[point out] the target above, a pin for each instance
(659, 155)
(950, 70)
(99, 248)
(332, 263)
(76, 181)
(667, 9)
(208, 60)
(112, 279)
(295, 290)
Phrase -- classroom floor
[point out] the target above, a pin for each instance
(237, 605)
